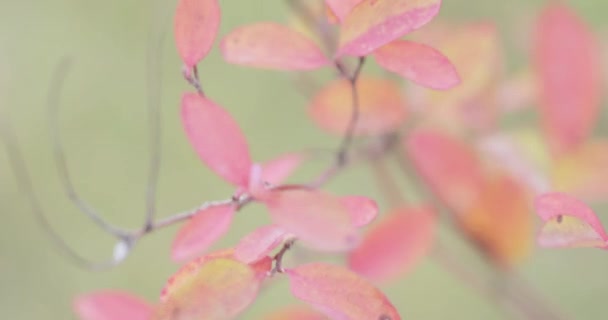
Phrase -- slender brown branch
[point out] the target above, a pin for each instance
(191, 75)
(278, 257)
(352, 124)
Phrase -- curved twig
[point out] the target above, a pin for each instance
(24, 182)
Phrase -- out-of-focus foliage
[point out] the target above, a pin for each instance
(103, 121)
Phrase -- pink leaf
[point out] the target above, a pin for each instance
(458, 181)
(112, 305)
(217, 289)
(394, 245)
(201, 231)
(374, 23)
(216, 138)
(277, 170)
(568, 222)
(259, 243)
(362, 210)
(272, 46)
(196, 25)
(341, 8)
(339, 293)
(570, 79)
(318, 219)
(189, 270)
(295, 313)
(420, 63)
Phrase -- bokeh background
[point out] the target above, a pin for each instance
(104, 125)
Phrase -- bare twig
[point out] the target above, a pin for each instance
(26, 186)
(191, 75)
(278, 257)
(154, 87)
(352, 124)
(57, 82)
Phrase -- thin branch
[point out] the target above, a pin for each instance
(352, 124)
(278, 258)
(185, 215)
(58, 79)
(26, 186)
(451, 264)
(191, 75)
(154, 87)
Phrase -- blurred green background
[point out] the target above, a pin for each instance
(104, 125)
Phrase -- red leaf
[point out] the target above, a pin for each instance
(196, 26)
(374, 23)
(216, 138)
(339, 293)
(568, 222)
(456, 181)
(272, 46)
(259, 243)
(218, 289)
(111, 305)
(362, 210)
(201, 231)
(420, 63)
(341, 8)
(318, 219)
(394, 245)
(570, 79)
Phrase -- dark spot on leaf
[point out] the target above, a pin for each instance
(560, 218)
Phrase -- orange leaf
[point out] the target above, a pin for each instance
(381, 106)
(583, 172)
(220, 289)
(500, 221)
(295, 313)
(272, 46)
(475, 53)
